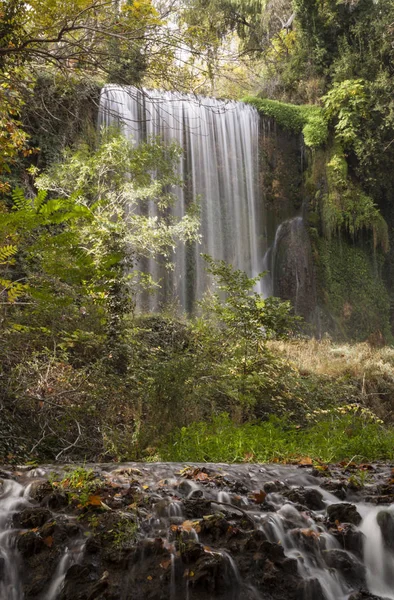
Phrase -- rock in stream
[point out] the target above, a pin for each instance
(195, 532)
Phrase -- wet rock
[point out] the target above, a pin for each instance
(81, 583)
(196, 508)
(30, 518)
(196, 494)
(92, 545)
(214, 527)
(385, 520)
(338, 488)
(307, 539)
(186, 487)
(211, 574)
(364, 595)
(350, 567)
(350, 538)
(274, 486)
(162, 507)
(344, 513)
(191, 551)
(80, 572)
(309, 497)
(30, 543)
(5, 474)
(311, 589)
(55, 500)
(254, 540)
(40, 489)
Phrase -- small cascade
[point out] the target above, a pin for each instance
(204, 532)
(220, 170)
(289, 266)
(11, 500)
(379, 550)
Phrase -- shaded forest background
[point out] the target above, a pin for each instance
(85, 377)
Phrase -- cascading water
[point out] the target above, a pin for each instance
(220, 170)
(205, 532)
(289, 264)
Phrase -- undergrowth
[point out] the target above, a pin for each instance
(331, 439)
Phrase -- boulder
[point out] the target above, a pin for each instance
(309, 497)
(385, 520)
(347, 564)
(30, 518)
(344, 513)
(350, 538)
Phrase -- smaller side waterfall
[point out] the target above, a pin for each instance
(290, 267)
(219, 168)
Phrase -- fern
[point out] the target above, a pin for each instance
(6, 253)
(39, 200)
(13, 290)
(20, 202)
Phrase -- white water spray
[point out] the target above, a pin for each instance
(219, 168)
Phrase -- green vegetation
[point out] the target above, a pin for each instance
(356, 298)
(83, 376)
(329, 440)
(81, 485)
(306, 119)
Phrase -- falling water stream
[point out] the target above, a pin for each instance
(291, 540)
(220, 169)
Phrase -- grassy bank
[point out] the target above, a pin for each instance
(337, 437)
(303, 398)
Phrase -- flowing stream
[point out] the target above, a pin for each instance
(240, 532)
(220, 169)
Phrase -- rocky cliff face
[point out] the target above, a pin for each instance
(340, 285)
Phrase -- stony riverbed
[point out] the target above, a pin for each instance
(197, 532)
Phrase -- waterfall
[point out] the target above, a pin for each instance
(220, 169)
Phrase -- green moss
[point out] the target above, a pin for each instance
(351, 289)
(346, 206)
(306, 119)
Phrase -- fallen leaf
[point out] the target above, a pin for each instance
(309, 533)
(248, 456)
(259, 497)
(201, 476)
(306, 460)
(149, 578)
(48, 541)
(94, 501)
(165, 564)
(339, 526)
(187, 526)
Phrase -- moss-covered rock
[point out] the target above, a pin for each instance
(307, 119)
(351, 291)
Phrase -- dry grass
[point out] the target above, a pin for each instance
(371, 369)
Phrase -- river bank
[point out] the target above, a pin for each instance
(203, 531)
